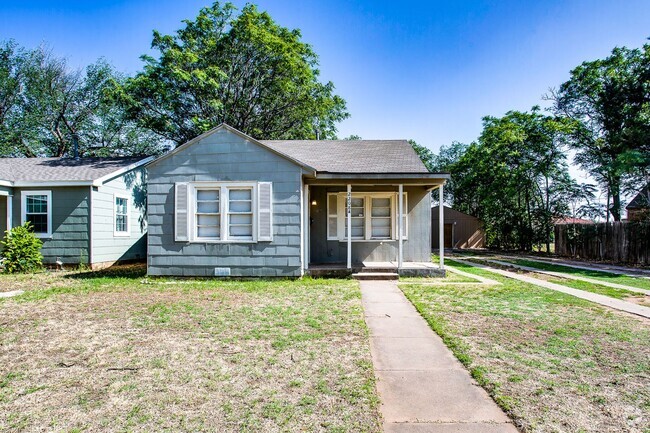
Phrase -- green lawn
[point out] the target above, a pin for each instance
(556, 363)
(600, 289)
(115, 352)
(641, 283)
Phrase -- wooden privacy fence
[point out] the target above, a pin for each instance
(624, 242)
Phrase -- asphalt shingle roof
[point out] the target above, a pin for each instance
(61, 169)
(352, 156)
(640, 201)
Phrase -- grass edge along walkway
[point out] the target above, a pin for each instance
(570, 276)
(616, 304)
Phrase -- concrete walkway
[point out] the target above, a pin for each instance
(617, 304)
(571, 277)
(423, 388)
(11, 294)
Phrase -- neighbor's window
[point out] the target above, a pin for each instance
(121, 216)
(37, 209)
(372, 215)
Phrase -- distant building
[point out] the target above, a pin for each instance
(571, 220)
(640, 205)
(461, 230)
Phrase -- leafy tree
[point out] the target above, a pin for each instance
(242, 69)
(43, 102)
(514, 178)
(609, 100)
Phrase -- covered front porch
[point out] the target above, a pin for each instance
(390, 221)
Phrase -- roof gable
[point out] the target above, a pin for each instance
(236, 132)
(640, 201)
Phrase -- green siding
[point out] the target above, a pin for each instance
(105, 245)
(224, 156)
(70, 230)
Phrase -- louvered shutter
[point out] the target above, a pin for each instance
(181, 220)
(265, 211)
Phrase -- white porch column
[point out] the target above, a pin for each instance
(348, 210)
(302, 231)
(306, 227)
(441, 227)
(400, 223)
(10, 207)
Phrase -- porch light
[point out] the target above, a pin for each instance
(314, 203)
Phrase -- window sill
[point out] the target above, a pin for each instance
(43, 235)
(366, 240)
(121, 235)
(230, 241)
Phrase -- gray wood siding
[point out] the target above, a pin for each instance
(224, 156)
(106, 246)
(70, 226)
(3, 216)
(417, 248)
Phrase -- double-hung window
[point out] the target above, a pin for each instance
(373, 216)
(121, 215)
(224, 212)
(36, 209)
(240, 214)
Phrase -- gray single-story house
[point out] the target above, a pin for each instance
(85, 210)
(226, 204)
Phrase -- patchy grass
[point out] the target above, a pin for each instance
(640, 283)
(612, 292)
(451, 277)
(554, 362)
(115, 352)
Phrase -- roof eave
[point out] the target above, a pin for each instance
(102, 180)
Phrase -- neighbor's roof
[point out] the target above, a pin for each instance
(24, 170)
(352, 156)
(641, 200)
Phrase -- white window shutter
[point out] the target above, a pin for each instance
(181, 220)
(265, 211)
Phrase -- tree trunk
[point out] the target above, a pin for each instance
(616, 198)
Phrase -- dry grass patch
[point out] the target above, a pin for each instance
(111, 353)
(556, 363)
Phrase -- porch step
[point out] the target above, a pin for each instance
(375, 276)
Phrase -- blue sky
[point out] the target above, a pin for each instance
(425, 70)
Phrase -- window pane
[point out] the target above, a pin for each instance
(207, 207)
(332, 227)
(241, 231)
(332, 210)
(36, 204)
(39, 221)
(356, 202)
(120, 223)
(241, 219)
(208, 232)
(380, 222)
(207, 220)
(381, 202)
(240, 206)
(205, 194)
(240, 194)
(381, 232)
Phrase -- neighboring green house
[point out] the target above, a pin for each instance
(226, 204)
(85, 210)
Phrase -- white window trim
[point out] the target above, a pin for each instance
(223, 188)
(127, 233)
(23, 210)
(367, 196)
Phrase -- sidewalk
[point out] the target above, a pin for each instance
(422, 386)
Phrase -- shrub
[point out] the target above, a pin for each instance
(21, 250)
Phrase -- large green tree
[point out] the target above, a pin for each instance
(515, 178)
(609, 100)
(44, 102)
(240, 68)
